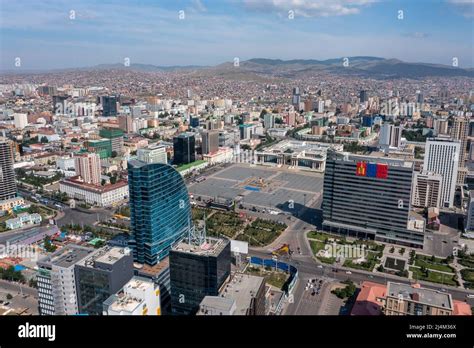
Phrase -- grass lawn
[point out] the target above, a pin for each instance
(434, 277)
(227, 224)
(316, 246)
(328, 260)
(261, 232)
(318, 235)
(443, 267)
(277, 279)
(198, 213)
(468, 275)
(367, 265)
(428, 259)
(467, 261)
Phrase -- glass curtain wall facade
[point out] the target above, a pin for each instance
(159, 210)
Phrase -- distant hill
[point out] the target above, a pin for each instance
(262, 68)
(358, 66)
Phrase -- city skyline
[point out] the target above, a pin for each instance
(57, 35)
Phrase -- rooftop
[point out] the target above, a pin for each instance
(422, 295)
(367, 302)
(242, 289)
(211, 247)
(68, 256)
(105, 256)
(217, 303)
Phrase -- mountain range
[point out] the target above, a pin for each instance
(363, 66)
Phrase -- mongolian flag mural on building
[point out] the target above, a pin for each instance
(361, 168)
(372, 170)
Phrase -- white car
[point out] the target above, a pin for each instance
(320, 266)
(348, 272)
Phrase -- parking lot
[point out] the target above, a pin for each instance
(287, 189)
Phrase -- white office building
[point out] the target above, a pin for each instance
(470, 213)
(269, 120)
(390, 136)
(153, 154)
(56, 280)
(139, 296)
(20, 120)
(442, 157)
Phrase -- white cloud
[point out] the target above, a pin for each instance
(465, 7)
(310, 8)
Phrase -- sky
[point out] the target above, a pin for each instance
(79, 33)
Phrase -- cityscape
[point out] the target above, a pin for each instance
(212, 168)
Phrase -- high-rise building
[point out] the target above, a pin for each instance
(153, 154)
(296, 99)
(57, 293)
(109, 105)
(197, 271)
(460, 131)
(126, 123)
(88, 167)
(427, 190)
(47, 90)
(184, 148)
(390, 136)
(115, 136)
(442, 157)
(99, 275)
(269, 120)
(470, 213)
(20, 120)
(369, 197)
(102, 147)
(420, 98)
(194, 122)
(140, 296)
(59, 104)
(7, 173)
(210, 142)
(321, 106)
(363, 96)
(160, 211)
(247, 130)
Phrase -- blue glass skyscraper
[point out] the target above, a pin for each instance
(159, 210)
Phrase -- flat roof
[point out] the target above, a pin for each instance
(151, 271)
(242, 288)
(107, 255)
(218, 303)
(68, 256)
(211, 247)
(91, 187)
(422, 295)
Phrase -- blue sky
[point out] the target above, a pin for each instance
(44, 36)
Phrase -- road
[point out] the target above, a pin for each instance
(73, 216)
(17, 288)
(308, 267)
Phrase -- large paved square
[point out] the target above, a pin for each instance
(284, 187)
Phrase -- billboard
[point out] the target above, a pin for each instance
(237, 246)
